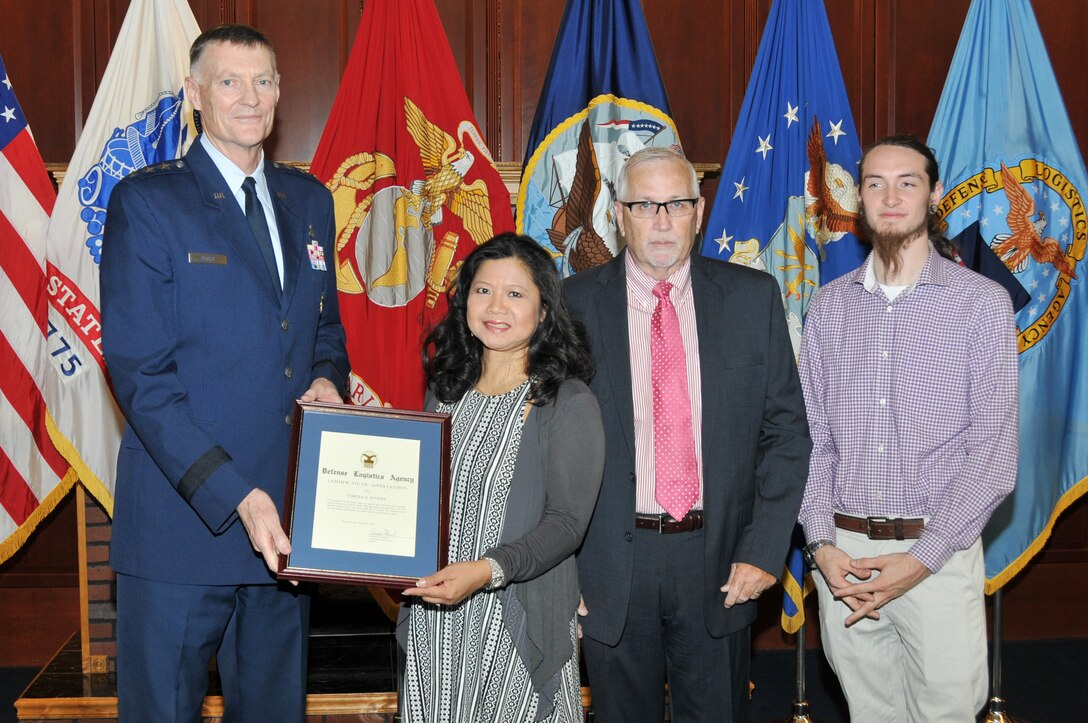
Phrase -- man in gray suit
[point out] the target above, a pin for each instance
(706, 458)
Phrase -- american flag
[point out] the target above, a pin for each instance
(33, 474)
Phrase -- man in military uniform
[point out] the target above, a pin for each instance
(218, 313)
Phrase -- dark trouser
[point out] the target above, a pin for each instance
(665, 638)
(167, 634)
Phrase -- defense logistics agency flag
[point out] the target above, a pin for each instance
(138, 118)
(33, 474)
(602, 100)
(787, 200)
(1010, 163)
(415, 191)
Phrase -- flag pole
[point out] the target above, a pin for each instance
(996, 713)
(800, 702)
(398, 665)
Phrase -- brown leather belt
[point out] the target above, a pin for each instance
(665, 524)
(882, 528)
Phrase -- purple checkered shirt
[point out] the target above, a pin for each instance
(912, 404)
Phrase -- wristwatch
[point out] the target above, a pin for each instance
(809, 551)
(498, 577)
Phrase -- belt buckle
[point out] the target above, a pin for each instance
(870, 521)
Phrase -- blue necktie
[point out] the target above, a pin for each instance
(257, 222)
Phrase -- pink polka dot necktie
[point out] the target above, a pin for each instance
(676, 487)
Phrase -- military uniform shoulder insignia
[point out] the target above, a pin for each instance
(174, 164)
(295, 171)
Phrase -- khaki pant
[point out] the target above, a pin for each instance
(924, 660)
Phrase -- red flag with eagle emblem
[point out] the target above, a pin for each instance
(414, 188)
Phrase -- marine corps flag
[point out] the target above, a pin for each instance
(1011, 165)
(602, 100)
(139, 118)
(787, 200)
(415, 190)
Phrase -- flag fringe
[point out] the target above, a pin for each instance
(993, 584)
(15, 541)
(89, 479)
(792, 623)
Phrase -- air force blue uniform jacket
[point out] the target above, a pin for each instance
(207, 358)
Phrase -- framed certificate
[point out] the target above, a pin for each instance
(367, 495)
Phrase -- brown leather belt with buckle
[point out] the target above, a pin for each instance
(665, 524)
(882, 528)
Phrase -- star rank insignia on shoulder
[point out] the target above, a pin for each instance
(173, 164)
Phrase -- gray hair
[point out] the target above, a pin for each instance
(231, 34)
(653, 154)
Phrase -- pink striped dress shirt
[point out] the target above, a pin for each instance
(640, 307)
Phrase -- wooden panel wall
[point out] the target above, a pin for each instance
(39, 592)
(894, 55)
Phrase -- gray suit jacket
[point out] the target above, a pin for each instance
(755, 437)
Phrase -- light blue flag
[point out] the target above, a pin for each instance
(603, 100)
(787, 200)
(1010, 162)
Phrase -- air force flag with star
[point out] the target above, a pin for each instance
(1012, 169)
(787, 199)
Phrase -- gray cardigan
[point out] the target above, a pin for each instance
(556, 480)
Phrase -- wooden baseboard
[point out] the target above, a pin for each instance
(317, 705)
(106, 708)
(61, 692)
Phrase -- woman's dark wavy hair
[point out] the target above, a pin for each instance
(558, 349)
(935, 226)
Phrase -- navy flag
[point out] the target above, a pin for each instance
(602, 100)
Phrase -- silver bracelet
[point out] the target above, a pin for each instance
(498, 577)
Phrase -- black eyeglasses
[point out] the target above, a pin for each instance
(677, 208)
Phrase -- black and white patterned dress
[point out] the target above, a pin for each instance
(462, 666)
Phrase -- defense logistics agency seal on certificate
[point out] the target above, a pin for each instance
(1034, 219)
